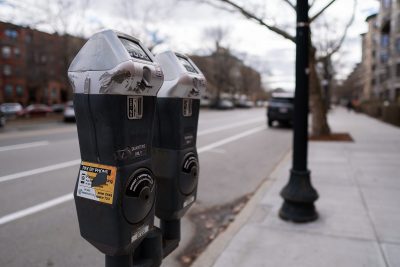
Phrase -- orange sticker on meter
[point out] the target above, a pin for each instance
(96, 182)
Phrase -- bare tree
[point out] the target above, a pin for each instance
(319, 119)
(225, 71)
(217, 35)
(139, 16)
(61, 16)
(222, 62)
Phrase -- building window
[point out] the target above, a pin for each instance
(28, 39)
(12, 34)
(7, 70)
(54, 93)
(6, 51)
(19, 90)
(385, 40)
(384, 57)
(8, 90)
(17, 52)
(43, 59)
(382, 77)
(386, 3)
(386, 94)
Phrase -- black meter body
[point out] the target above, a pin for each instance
(175, 159)
(115, 81)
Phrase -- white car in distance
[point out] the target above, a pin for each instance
(69, 112)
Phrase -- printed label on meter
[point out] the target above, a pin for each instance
(135, 107)
(96, 182)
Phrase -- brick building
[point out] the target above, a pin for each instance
(227, 74)
(381, 53)
(33, 65)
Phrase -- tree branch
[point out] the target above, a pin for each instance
(290, 4)
(251, 16)
(212, 4)
(321, 11)
(346, 29)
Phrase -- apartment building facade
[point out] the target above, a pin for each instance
(369, 48)
(381, 54)
(33, 65)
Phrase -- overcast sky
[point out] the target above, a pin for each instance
(181, 24)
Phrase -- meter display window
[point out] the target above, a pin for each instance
(189, 67)
(134, 50)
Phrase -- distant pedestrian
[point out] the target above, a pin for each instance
(349, 106)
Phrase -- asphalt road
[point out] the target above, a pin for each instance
(39, 165)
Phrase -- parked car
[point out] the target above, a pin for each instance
(261, 103)
(37, 110)
(204, 102)
(58, 108)
(69, 112)
(222, 104)
(2, 119)
(244, 104)
(11, 109)
(280, 108)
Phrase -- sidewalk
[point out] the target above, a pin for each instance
(359, 207)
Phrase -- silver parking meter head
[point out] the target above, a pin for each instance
(183, 79)
(115, 81)
(115, 63)
(176, 165)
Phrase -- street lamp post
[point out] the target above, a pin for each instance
(298, 194)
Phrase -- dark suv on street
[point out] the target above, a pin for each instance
(2, 119)
(280, 108)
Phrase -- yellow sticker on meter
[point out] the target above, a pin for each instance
(96, 182)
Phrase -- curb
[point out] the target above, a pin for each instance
(216, 248)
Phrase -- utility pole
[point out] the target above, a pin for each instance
(299, 195)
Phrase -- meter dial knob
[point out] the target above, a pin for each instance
(139, 195)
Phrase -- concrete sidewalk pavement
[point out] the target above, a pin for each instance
(359, 207)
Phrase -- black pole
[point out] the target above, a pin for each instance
(171, 233)
(119, 261)
(299, 195)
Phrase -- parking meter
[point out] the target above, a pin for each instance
(115, 81)
(175, 161)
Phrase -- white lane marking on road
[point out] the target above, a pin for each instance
(230, 139)
(39, 170)
(229, 126)
(22, 146)
(34, 209)
(74, 162)
(67, 197)
(16, 134)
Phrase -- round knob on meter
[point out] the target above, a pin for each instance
(190, 173)
(139, 195)
(145, 193)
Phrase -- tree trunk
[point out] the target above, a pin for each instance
(318, 110)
